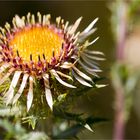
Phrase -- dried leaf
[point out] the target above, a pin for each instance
(48, 94)
(81, 37)
(10, 93)
(93, 57)
(60, 80)
(82, 81)
(83, 75)
(100, 86)
(5, 77)
(90, 52)
(89, 26)
(4, 67)
(75, 26)
(22, 86)
(64, 75)
(30, 94)
(66, 65)
(19, 22)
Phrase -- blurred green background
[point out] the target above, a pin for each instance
(99, 102)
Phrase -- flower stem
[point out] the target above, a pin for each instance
(119, 126)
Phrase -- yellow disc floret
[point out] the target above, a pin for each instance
(36, 41)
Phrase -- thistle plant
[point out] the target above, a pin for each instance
(44, 60)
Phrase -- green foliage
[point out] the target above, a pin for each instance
(35, 136)
(17, 132)
(134, 6)
(12, 131)
(72, 131)
(124, 79)
(14, 118)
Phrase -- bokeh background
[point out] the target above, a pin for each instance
(99, 102)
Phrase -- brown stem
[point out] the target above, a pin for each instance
(119, 126)
(119, 114)
(121, 30)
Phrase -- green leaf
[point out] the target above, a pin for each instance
(12, 131)
(61, 97)
(31, 120)
(7, 126)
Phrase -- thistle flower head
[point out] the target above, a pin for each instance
(37, 49)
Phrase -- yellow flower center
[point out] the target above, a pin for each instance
(36, 41)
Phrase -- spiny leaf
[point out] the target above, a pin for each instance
(100, 85)
(88, 127)
(31, 120)
(72, 131)
(61, 97)
(69, 133)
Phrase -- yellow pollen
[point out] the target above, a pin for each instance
(36, 41)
